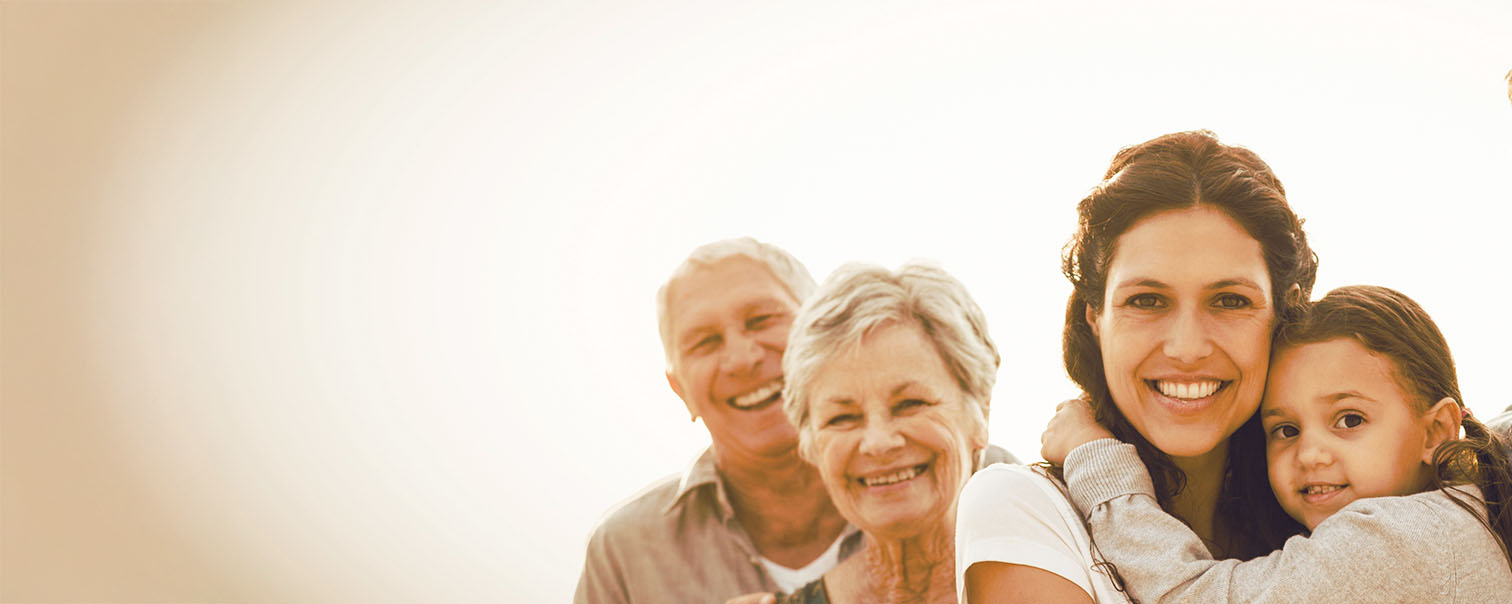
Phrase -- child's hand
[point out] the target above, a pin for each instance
(1071, 427)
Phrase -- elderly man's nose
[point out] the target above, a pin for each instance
(742, 352)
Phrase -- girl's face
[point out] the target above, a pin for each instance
(1338, 427)
(1185, 329)
(891, 433)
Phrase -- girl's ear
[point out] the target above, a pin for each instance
(1441, 424)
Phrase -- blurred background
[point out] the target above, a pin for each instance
(340, 303)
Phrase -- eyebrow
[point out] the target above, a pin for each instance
(1326, 400)
(849, 401)
(1158, 284)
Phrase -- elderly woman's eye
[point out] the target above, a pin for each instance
(844, 419)
(910, 403)
(1232, 301)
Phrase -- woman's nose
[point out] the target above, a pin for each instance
(1188, 341)
(880, 437)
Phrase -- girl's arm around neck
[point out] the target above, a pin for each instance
(1418, 548)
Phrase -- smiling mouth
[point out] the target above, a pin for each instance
(1315, 493)
(1188, 391)
(759, 398)
(894, 477)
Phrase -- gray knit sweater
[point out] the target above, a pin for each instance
(1416, 548)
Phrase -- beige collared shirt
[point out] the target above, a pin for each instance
(679, 541)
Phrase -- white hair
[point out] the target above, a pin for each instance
(857, 299)
(788, 270)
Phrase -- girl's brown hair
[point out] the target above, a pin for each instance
(1388, 323)
(1173, 172)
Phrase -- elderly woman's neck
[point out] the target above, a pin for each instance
(1197, 504)
(917, 569)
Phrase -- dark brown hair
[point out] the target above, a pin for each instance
(1173, 172)
(1388, 323)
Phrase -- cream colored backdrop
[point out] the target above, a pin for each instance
(352, 303)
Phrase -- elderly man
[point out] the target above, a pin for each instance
(748, 515)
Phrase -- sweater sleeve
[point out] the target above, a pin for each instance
(1380, 549)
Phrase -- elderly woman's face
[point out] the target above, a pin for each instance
(1185, 328)
(890, 433)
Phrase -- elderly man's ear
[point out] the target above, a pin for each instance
(677, 389)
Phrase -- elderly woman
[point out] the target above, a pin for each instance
(1186, 256)
(889, 375)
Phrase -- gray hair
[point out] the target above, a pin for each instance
(859, 298)
(788, 270)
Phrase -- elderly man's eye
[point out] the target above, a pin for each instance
(758, 322)
(705, 344)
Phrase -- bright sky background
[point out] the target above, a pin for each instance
(373, 287)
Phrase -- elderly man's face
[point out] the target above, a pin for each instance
(730, 324)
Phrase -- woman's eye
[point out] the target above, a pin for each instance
(843, 419)
(1284, 431)
(907, 404)
(1144, 301)
(1349, 421)
(1232, 301)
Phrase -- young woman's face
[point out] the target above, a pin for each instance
(1337, 428)
(1185, 328)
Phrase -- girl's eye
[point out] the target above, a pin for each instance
(844, 419)
(1349, 421)
(1284, 431)
(1146, 301)
(1232, 301)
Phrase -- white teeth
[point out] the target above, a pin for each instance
(1188, 390)
(1319, 489)
(893, 478)
(757, 396)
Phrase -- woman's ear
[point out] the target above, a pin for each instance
(1294, 295)
(1441, 424)
(1091, 319)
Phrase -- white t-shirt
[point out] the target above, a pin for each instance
(790, 579)
(1018, 515)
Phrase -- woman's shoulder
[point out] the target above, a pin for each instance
(1000, 496)
(1016, 481)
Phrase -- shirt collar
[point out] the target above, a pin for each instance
(702, 473)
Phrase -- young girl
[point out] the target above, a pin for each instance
(1362, 420)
